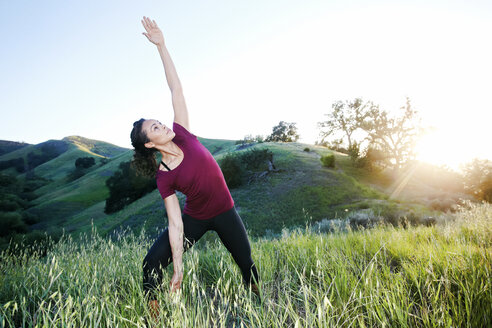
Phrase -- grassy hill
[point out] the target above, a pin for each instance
(381, 277)
(301, 191)
(7, 146)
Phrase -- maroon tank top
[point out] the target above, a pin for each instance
(198, 176)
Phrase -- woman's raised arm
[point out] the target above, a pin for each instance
(154, 35)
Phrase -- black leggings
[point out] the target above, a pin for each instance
(231, 231)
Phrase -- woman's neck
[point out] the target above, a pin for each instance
(170, 151)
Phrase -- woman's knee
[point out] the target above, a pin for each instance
(148, 263)
(153, 262)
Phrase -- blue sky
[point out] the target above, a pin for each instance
(84, 67)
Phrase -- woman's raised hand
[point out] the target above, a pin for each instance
(154, 33)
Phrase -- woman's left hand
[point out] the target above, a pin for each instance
(176, 280)
(154, 33)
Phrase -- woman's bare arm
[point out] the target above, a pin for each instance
(155, 36)
(175, 238)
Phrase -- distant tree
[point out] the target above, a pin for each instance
(125, 186)
(259, 138)
(81, 166)
(7, 180)
(11, 222)
(18, 163)
(346, 117)
(84, 162)
(393, 136)
(478, 178)
(246, 140)
(286, 132)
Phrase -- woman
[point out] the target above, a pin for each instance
(189, 167)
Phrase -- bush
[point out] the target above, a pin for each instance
(44, 153)
(11, 222)
(36, 241)
(231, 169)
(30, 218)
(307, 149)
(12, 202)
(7, 180)
(248, 139)
(34, 182)
(84, 162)
(374, 160)
(256, 159)
(444, 205)
(354, 152)
(7, 205)
(240, 167)
(75, 174)
(18, 163)
(125, 186)
(28, 195)
(328, 160)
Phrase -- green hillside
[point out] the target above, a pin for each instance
(300, 191)
(95, 147)
(59, 201)
(7, 146)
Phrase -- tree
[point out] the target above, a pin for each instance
(286, 132)
(345, 117)
(478, 178)
(84, 162)
(125, 186)
(394, 136)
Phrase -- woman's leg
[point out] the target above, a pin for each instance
(160, 256)
(232, 233)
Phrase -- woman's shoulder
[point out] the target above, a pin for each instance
(181, 130)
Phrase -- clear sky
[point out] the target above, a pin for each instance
(84, 67)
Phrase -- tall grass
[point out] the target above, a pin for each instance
(383, 277)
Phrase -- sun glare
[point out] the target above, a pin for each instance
(439, 147)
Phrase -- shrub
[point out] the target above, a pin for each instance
(45, 152)
(374, 160)
(7, 180)
(11, 222)
(354, 152)
(328, 160)
(364, 218)
(34, 181)
(84, 162)
(231, 169)
(7, 205)
(256, 159)
(36, 241)
(246, 140)
(18, 163)
(75, 174)
(444, 205)
(28, 195)
(307, 149)
(125, 186)
(30, 218)
(240, 167)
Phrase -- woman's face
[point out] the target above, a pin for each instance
(158, 133)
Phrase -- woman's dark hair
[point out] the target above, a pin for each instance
(144, 160)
